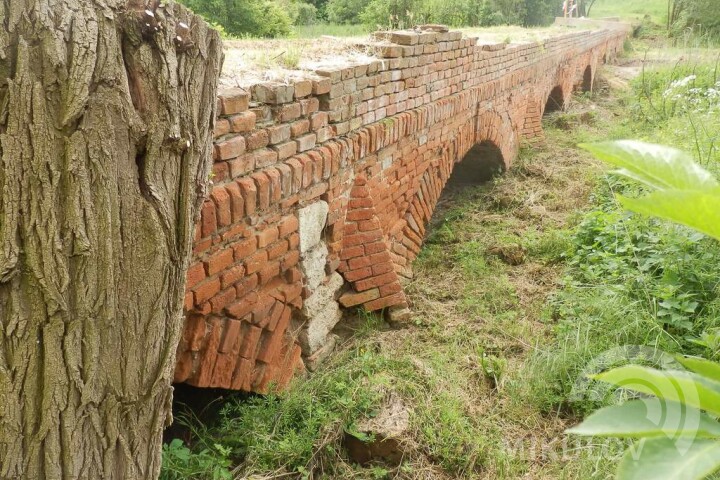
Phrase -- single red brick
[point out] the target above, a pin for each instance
(288, 112)
(231, 338)
(352, 252)
(277, 249)
(201, 245)
(257, 139)
(222, 126)
(242, 165)
(256, 261)
(242, 375)
(243, 122)
(223, 371)
(356, 275)
(251, 337)
(221, 198)
(188, 302)
(237, 204)
(380, 257)
(373, 282)
(262, 308)
(249, 194)
(205, 290)
(375, 247)
(267, 236)
(183, 366)
(232, 275)
(290, 260)
(288, 225)
(285, 150)
(231, 148)
(194, 332)
(293, 241)
(234, 100)
(392, 300)
(318, 120)
(300, 127)
(244, 248)
(269, 271)
(243, 306)
(265, 157)
(350, 299)
(195, 274)
(222, 299)
(263, 190)
(359, 262)
(275, 178)
(220, 172)
(219, 261)
(381, 268)
(390, 288)
(360, 202)
(246, 285)
(360, 214)
(208, 219)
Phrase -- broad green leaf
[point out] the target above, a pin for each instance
(656, 166)
(670, 459)
(682, 387)
(703, 367)
(697, 210)
(648, 418)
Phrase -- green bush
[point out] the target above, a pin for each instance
(407, 13)
(344, 11)
(256, 18)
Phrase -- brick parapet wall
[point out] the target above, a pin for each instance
(341, 161)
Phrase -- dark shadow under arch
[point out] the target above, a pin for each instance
(555, 102)
(587, 81)
(483, 162)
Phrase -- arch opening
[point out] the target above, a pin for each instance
(555, 102)
(587, 81)
(482, 163)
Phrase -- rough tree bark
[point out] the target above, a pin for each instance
(106, 116)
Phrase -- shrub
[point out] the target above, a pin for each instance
(257, 18)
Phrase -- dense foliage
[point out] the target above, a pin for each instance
(258, 18)
(698, 15)
(679, 431)
(275, 18)
(405, 13)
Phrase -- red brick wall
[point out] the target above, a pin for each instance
(323, 189)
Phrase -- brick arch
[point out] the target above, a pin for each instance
(555, 100)
(588, 79)
(498, 129)
(406, 237)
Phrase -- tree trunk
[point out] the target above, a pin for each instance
(106, 117)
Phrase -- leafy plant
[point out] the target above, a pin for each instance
(179, 462)
(678, 429)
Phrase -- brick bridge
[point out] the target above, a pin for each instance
(323, 187)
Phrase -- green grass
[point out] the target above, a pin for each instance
(631, 9)
(331, 29)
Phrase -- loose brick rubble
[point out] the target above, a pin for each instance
(370, 148)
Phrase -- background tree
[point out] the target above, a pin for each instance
(106, 116)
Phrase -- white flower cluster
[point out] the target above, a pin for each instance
(688, 97)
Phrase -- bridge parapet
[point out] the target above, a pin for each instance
(324, 185)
